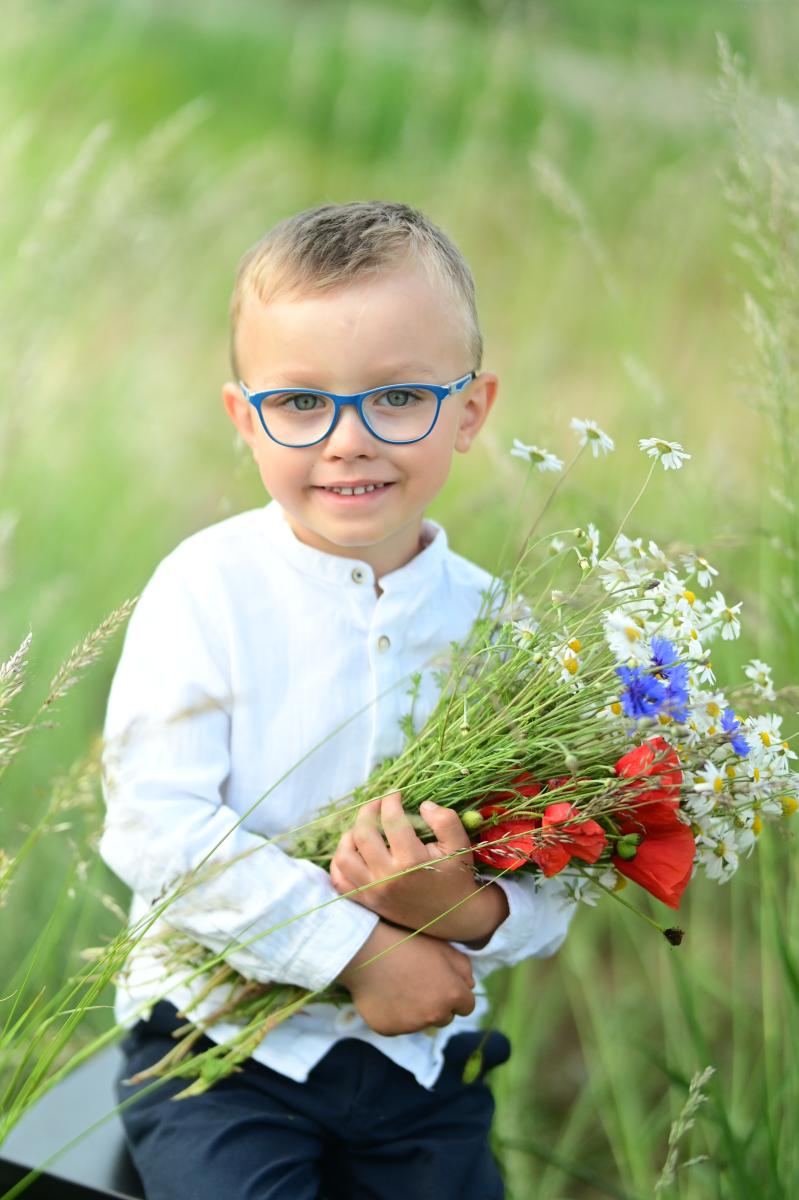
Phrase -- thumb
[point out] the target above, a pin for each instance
(446, 825)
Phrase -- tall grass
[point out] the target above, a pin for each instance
(148, 147)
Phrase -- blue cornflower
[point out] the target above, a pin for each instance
(729, 723)
(643, 696)
(664, 656)
(666, 667)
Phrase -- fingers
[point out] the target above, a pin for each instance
(462, 1005)
(340, 881)
(368, 841)
(465, 1005)
(462, 966)
(400, 834)
(348, 863)
(447, 826)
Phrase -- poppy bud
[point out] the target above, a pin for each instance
(627, 846)
(471, 819)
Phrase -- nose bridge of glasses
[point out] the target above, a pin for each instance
(349, 417)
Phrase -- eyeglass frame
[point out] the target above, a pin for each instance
(440, 390)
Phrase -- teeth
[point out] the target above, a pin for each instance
(358, 491)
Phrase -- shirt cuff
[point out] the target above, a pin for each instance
(331, 943)
(539, 913)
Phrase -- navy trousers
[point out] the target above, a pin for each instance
(359, 1128)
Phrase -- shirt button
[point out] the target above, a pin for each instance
(383, 643)
(358, 575)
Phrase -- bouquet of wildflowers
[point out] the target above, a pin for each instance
(579, 730)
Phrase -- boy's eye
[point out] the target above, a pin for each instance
(300, 401)
(397, 397)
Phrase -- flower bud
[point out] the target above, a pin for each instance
(471, 819)
(473, 1066)
(627, 846)
(571, 764)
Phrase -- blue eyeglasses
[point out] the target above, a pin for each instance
(399, 413)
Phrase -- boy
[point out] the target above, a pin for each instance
(286, 637)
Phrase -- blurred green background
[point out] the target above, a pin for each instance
(587, 159)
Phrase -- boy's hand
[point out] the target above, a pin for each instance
(415, 984)
(415, 899)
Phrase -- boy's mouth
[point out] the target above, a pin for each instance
(359, 489)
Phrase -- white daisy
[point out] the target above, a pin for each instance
(717, 852)
(589, 431)
(542, 459)
(710, 779)
(725, 615)
(626, 637)
(696, 565)
(618, 576)
(701, 671)
(628, 548)
(592, 540)
(524, 632)
(660, 558)
(567, 655)
(670, 454)
(760, 674)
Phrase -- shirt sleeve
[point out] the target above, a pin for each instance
(540, 911)
(166, 757)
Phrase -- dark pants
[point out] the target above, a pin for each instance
(359, 1128)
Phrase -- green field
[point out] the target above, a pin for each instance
(616, 201)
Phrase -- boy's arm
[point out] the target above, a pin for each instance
(166, 759)
(498, 921)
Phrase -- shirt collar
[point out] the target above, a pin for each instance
(422, 571)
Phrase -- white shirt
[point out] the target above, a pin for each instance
(266, 646)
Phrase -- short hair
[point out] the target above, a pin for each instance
(325, 247)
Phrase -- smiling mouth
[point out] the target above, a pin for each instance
(356, 491)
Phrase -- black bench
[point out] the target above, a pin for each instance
(96, 1168)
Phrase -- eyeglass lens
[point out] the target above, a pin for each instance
(395, 414)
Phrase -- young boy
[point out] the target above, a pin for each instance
(270, 656)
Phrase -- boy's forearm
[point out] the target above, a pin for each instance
(475, 920)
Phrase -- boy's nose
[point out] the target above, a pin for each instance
(350, 436)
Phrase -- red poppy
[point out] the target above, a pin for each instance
(518, 844)
(654, 759)
(526, 839)
(586, 838)
(663, 859)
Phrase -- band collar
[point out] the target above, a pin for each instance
(423, 570)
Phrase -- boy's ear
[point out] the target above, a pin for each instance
(478, 402)
(240, 411)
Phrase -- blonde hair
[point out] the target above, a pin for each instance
(322, 248)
